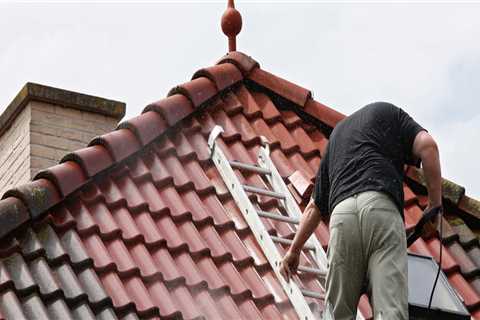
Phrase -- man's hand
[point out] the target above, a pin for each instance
(308, 222)
(289, 264)
(432, 226)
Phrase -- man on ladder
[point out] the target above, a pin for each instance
(359, 188)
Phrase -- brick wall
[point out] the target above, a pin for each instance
(56, 130)
(38, 134)
(14, 153)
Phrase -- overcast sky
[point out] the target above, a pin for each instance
(424, 57)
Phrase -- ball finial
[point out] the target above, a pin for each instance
(231, 25)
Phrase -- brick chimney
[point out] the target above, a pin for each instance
(43, 123)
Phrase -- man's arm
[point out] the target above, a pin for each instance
(310, 218)
(425, 148)
(308, 223)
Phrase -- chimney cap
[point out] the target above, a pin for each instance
(70, 99)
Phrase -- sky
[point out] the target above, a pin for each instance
(423, 57)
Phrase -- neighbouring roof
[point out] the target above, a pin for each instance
(140, 224)
(38, 92)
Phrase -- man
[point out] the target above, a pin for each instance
(359, 188)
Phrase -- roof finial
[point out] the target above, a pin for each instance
(231, 25)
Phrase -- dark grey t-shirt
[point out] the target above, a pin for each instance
(366, 151)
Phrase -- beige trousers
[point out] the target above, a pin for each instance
(367, 250)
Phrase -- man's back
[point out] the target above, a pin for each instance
(359, 192)
(366, 152)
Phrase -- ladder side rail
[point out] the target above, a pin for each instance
(278, 185)
(260, 232)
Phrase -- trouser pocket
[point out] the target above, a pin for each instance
(336, 245)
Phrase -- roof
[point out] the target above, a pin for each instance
(140, 224)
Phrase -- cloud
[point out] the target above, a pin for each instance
(461, 93)
(459, 153)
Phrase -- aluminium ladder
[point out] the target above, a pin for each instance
(252, 215)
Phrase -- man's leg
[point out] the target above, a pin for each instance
(385, 244)
(347, 267)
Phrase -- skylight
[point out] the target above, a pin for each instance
(445, 303)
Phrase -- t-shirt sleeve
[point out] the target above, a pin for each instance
(409, 129)
(322, 186)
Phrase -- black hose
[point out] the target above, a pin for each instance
(439, 264)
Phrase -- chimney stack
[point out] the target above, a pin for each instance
(43, 123)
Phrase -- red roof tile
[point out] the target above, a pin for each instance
(243, 62)
(14, 214)
(146, 126)
(141, 224)
(67, 177)
(319, 111)
(288, 90)
(91, 159)
(223, 75)
(38, 196)
(120, 143)
(197, 91)
(172, 109)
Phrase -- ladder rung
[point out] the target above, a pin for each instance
(312, 294)
(288, 241)
(248, 167)
(264, 192)
(315, 271)
(276, 216)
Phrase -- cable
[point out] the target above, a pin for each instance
(440, 261)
